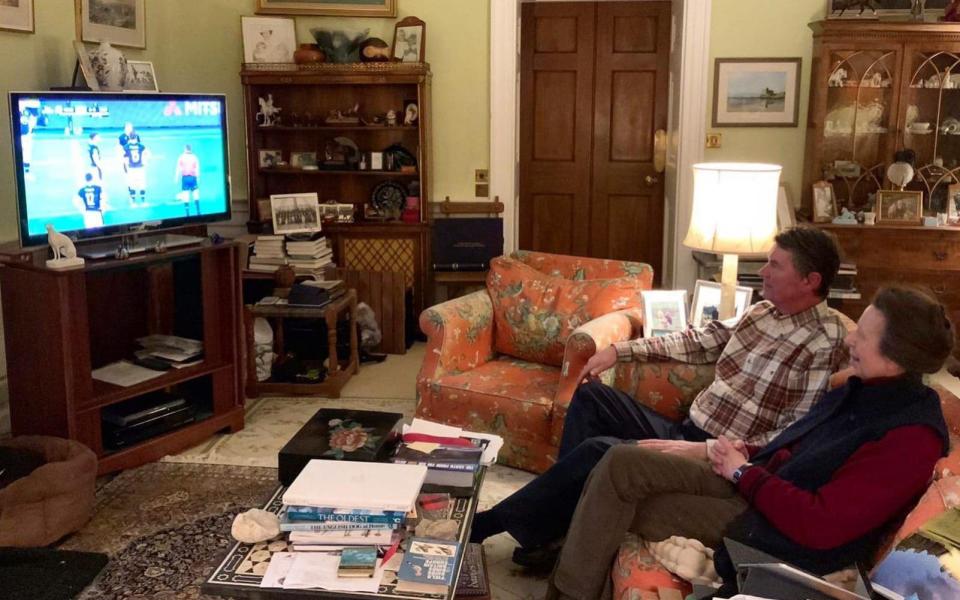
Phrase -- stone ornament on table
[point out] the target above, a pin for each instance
(255, 525)
(64, 252)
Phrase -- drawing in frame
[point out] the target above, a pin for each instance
(140, 77)
(409, 40)
(756, 92)
(120, 22)
(334, 8)
(895, 207)
(295, 213)
(86, 68)
(885, 8)
(268, 39)
(706, 302)
(17, 16)
(824, 202)
(664, 312)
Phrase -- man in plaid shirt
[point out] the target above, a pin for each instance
(771, 367)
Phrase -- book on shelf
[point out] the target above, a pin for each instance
(473, 581)
(262, 268)
(428, 566)
(350, 484)
(258, 260)
(841, 294)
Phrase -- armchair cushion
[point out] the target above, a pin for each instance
(535, 313)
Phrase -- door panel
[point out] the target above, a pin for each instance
(593, 90)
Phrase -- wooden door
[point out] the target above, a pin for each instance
(593, 85)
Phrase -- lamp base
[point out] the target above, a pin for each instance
(728, 286)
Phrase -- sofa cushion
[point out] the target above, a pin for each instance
(637, 573)
(535, 313)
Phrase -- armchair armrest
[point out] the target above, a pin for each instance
(583, 343)
(667, 387)
(459, 335)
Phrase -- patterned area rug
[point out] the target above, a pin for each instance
(164, 525)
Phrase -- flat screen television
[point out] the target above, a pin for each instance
(99, 164)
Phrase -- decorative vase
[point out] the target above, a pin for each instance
(308, 53)
(109, 65)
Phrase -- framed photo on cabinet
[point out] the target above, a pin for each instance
(120, 22)
(896, 207)
(706, 302)
(409, 40)
(756, 92)
(824, 202)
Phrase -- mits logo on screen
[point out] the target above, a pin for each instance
(191, 108)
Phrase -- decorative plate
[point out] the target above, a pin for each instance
(388, 198)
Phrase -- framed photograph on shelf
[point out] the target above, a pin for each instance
(140, 77)
(899, 207)
(268, 39)
(303, 160)
(270, 158)
(86, 67)
(756, 92)
(333, 8)
(824, 202)
(706, 302)
(120, 22)
(409, 40)
(16, 15)
(664, 312)
(295, 213)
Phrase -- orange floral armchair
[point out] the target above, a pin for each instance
(505, 360)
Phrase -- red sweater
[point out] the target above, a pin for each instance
(877, 481)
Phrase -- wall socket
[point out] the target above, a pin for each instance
(714, 140)
(481, 176)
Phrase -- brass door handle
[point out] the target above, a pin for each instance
(651, 180)
(659, 150)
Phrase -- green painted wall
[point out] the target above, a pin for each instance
(195, 46)
(763, 28)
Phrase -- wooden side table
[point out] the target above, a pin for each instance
(337, 374)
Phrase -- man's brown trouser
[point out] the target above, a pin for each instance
(653, 494)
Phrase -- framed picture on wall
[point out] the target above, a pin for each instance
(664, 312)
(847, 9)
(336, 8)
(120, 22)
(16, 15)
(756, 92)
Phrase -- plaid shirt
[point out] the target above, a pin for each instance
(770, 367)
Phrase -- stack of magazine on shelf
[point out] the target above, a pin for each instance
(844, 286)
(268, 254)
(162, 352)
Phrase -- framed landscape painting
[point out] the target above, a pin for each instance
(120, 22)
(16, 15)
(337, 8)
(857, 9)
(756, 92)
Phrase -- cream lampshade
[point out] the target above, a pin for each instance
(734, 212)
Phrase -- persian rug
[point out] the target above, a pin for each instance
(163, 526)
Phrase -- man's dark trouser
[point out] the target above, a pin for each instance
(599, 417)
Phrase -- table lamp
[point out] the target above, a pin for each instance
(734, 212)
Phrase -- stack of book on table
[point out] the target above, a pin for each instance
(268, 255)
(844, 286)
(309, 256)
(451, 462)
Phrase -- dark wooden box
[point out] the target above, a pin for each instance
(340, 434)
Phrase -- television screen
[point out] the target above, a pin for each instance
(94, 164)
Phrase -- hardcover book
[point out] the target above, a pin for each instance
(341, 484)
(340, 434)
(344, 515)
(428, 566)
(473, 582)
(288, 524)
(359, 561)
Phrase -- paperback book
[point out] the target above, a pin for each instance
(428, 566)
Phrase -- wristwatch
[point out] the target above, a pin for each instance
(739, 472)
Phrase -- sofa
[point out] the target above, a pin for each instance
(669, 387)
(505, 359)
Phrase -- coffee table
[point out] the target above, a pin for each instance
(239, 573)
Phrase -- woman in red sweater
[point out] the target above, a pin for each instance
(820, 495)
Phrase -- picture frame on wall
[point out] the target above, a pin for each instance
(885, 8)
(824, 202)
(140, 77)
(17, 16)
(268, 39)
(120, 22)
(664, 312)
(295, 213)
(409, 40)
(705, 306)
(756, 92)
(895, 207)
(86, 67)
(333, 8)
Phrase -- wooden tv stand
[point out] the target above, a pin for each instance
(61, 325)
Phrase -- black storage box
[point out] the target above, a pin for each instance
(340, 434)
